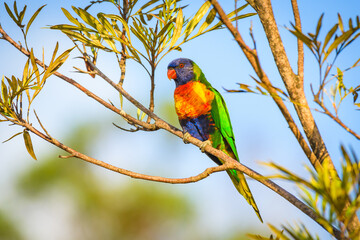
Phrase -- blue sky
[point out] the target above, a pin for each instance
(260, 130)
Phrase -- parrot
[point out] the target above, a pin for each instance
(203, 114)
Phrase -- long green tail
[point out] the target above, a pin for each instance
(241, 185)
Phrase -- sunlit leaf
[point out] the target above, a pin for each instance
(178, 27)
(106, 24)
(28, 144)
(33, 18)
(56, 63)
(196, 19)
(70, 17)
(336, 43)
(89, 19)
(138, 112)
(22, 14)
(209, 19)
(145, 6)
(123, 22)
(10, 13)
(302, 37)
(318, 26)
(329, 35)
(340, 22)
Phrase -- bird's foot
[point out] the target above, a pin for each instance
(185, 137)
(203, 145)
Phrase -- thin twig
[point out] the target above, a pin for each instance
(336, 118)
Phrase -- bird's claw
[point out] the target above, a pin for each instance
(185, 137)
(204, 144)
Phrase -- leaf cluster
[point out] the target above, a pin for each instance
(19, 93)
(335, 201)
(331, 45)
(18, 18)
(159, 26)
(334, 41)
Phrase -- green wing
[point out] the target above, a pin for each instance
(223, 139)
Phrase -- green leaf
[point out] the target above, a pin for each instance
(12, 137)
(34, 66)
(33, 18)
(106, 24)
(4, 91)
(318, 27)
(123, 22)
(355, 96)
(70, 17)
(28, 144)
(340, 22)
(12, 83)
(88, 18)
(56, 64)
(10, 13)
(242, 16)
(178, 27)
(209, 19)
(138, 112)
(165, 29)
(145, 6)
(21, 15)
(196, 19)
(307, 41)
(142, 116)
(15, 9)
(329, 36)
(336, 43)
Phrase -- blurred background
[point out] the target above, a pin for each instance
(57, 199)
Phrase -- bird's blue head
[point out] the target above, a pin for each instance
(181, 70)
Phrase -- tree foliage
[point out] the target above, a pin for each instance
(147, 32)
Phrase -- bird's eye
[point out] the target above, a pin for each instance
(181, 65)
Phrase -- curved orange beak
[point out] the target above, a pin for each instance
(171, 74)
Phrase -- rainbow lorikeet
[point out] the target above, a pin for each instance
(203, 114)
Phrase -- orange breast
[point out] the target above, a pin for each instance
(192, 100)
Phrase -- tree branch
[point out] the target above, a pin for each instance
(253, 59)
(300, 44)
(293, 83)
(229, 163)
(335, 118)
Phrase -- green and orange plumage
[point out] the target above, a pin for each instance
(203, 114)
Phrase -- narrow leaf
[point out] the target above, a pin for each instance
(10, 13)
(28, 144)
(340, 22)
(12, 137)
(33, 18)
(336, 42)
(209, 19)
(178, 27)
(123, 22)
(196, 19)
(329, 35)
(318, 27)
(70, 17)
